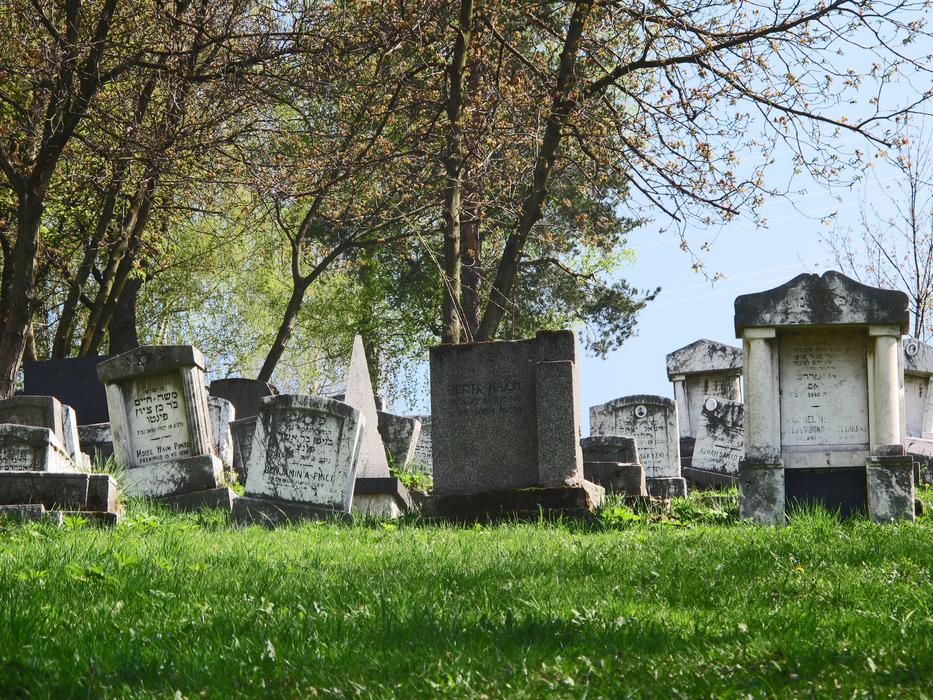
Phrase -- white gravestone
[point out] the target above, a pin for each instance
(703, 368)
(423, 455)
(222, 414)
(303, 460)
(652, 421)
(720, 441)
(918, 381)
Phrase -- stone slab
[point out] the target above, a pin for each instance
(400, 436)
(703, 357)
(95, 439)
(31, 512)
(517, 504)
(890, 486)
(35, 411)
(390, 486)
(918, 358)
(54, 491)
(241, 432)
(617, 477)
(271, 512)
(27, 448)
(220, 498)
(222, 413)
(720, 437)
(149, 361)
(424, 450)
(244, 394)
(701, 479)
(652, 421)
(666, 488)
(761, 493)
(174, 477)
(610, 448)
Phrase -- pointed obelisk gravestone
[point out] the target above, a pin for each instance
(377, 491)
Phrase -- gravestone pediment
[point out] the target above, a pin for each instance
(704, 356)
(821, 300)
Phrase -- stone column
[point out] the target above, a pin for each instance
(761, 472)
(680, 396)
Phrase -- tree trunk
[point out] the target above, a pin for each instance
(123, 331)
(500, 296)
(471, 280)
(285, 331)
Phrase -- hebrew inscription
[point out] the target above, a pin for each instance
(157, 419)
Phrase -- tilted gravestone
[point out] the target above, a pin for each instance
(303, 461)
(505, 428)
(918, 380)
(703, 368)
(612, 461)
(245, 395)
(424, 451)
(73, 381)
(720, 443)
(161, 426)
(652, 421)
(400, 436)
(824, 399)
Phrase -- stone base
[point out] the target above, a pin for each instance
(383, 498)
(617, 477)
(890, 483)
(705, 479)
(58, 491)
(221, 498)
(761, 492)
(174, 477)
(248, 510)
(666, 488)
(524, 504)
(36, 512)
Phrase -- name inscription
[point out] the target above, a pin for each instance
(157, 420)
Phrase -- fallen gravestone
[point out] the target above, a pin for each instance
(400, 436)
(303, 460)
(918, 380)
(505, 429)
(161, 426)
(823, 401)
(73, 381)
(720, 443)
(652, 421)
(612, 462)
(245, 395)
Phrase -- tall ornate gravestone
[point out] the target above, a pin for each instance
(918, 380)
(720, 443)
(245, 395)
(424, 450)
(400, 436)
(161, 426)
(652, 421)
(303, 461)
(824, 402)
(506, 429)
(612, 461)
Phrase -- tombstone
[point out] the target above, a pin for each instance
(96, 440)
(303, 460)
(46, 412)
(506, 429)
(400, 436)
(161, 426)
(380, 401)
(824, 402)
(612, 462)
(652, 421)
(918, 380)
(424, 452)
(245, 395)
(73, 381)
(222, 414)
(720, 443)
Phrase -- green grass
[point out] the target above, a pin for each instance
(686, 604)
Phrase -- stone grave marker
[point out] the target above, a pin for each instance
(918, 380)
(73, 381)
(505, 429)
(400, 436)
(824, 403)
(161, 426)
(222, 414)
(612, 462)
(245, 395)
(46, 412)
(703, 368)
(720, 443)
(303, 461)
(424, 451)
(653, 422)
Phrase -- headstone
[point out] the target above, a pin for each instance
(161, 424)
(400, 436)
(73, 381)
(720, 442)
(505, 418)
(96, 440)
(424, 451)
(703, 368)
(32, 449)
(303, 460)
(244, 394)
(824, 404)
(652, 421)
(46, 412)
(612, 462)
(918, 380)
(222, 414)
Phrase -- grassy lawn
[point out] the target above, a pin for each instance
(694, 605)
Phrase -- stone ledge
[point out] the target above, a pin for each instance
(36, 512)
(174, 477)
(522, 504)
(271, 512)
(83, 492)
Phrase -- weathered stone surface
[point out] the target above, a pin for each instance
(488, 408)
(305, 450)
(918, 357)
(918, 374)
(830, 299)
(921, 450)
(704, 357)
(174, 477)
(222, 414)
(666, 488)
(761, 493)
(890, 488)
(31, 512)
(244, 394)
(702, 479)
(271, 512)
(524, 504)
(720, 441)
(76, 492)
(610, 448)
(652, 421)
(149, 361)
(71, 441)
(241, 432)
(424, 449)
(73, 381)
(95, 439)
(36, 411)
(27, 448)
(358, 393)
(220, 498)
(703, 368)
(383, 498)
(617, 477)
(400, 436)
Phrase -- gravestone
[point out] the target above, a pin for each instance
(303, 460)
(96, 440)
(424, 451)
(653, 422)
(222, 414)
(161, 426)
(46, 412)
(824, 402)
(400, 436)
(73, 381)
(612, 462)
(505, 429)
(245, 395)
(720, 443)
(918, 380)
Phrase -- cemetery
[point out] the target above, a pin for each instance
(466, 350)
